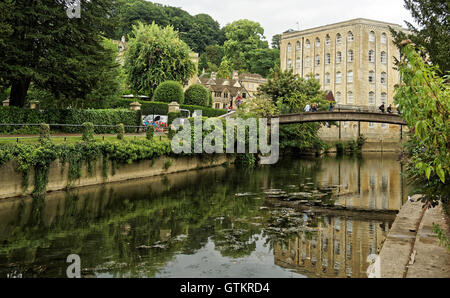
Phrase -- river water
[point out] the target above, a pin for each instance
(298, 218)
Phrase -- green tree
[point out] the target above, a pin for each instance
(432, 32)
(197, 94)
(262, 61)
(156, 55)
(276, 41)
(212, 57)
(225, 69)
(44, 46)
(169, 91)
(424, 101)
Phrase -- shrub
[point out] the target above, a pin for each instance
(206, 112)
(120, 131)
(169, 91)
(172, 116)
(150, 132)
(44, 134)
(339, 147)
(197, 95)
(88, 132)
(13, 114)
(101, 117)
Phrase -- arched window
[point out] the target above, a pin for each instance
(384, 97)
(317, 60)
(371, 77)
(350, 36)
(338, 97)
(383, 79)
(372, 36)
(307, 61)
(350, 77)
(350, 56)
(350, 97)
(371, 56)
(327, 78)
(383, 57)
(298, 63)
(328, 58)
(338, 77)
(289, 48)
(371, 98)
(298, 47)
(289, 63)
(383, 38)
(307, 44)
(338, 57)
(317, 42)
(327, 40)
(338, 38)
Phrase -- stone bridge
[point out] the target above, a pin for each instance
(342, 116)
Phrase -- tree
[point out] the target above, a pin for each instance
(212, 57)
(243, 36)
(424, 101)
(197, 94)
(60, 54)
(276, 41)
(433, 31)
(169, 91)
(225, 69)
(262, 61)
(156, 55)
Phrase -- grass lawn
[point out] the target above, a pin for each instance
(71, 139)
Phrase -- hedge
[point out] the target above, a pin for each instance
(197, 94)
(169, 91)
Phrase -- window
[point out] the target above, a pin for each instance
(317, 60)
(346, 124)
(383, 78)
(244, 95)
(289, 48)
(338, 57)
(328, 58)
(327, 78)
(298, 47)
(372, 36)
(217, 94)
(338, 77)
(383, 57)
(307, 44)
(371, 56)
(307, 61)
(338, 38)
(383, 38)
(350, 77)
(338, 97)
(317, 77)
(371, 98)
(384, 97)
(350, 36)
(217, 105)
(350, 97)
(317, 42)
(327, 40)
(225, 95)
(371, 77)
(350, 56)
(371, 125)
(289, 63)
(298, 63)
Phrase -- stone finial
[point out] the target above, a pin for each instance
(5, 102)
(235, 75)
(135, 106)
(34, 104)
(174, 107)
(213, 75)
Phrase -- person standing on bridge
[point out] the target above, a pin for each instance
(382, 108)
(389, 109)
(307, 108)
(330, 107)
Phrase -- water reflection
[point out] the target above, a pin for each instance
(286, 220)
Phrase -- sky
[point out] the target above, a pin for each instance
(277, 16)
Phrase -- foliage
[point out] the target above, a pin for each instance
(169, 91)
(44, 134)
(156, 55)
(263, 61)
(225, 70)
(433, 31)
(424, 99)
(88, 132)
(120, 131)
(259, 106)
(210, 60)
(172, 116)
(339, 147)
(276, 41)
(69, 58)
(150, 132)
(443, 238)
(196, 94)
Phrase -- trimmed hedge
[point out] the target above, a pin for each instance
(102, 117)
(197, 94)
(206, 112)
(169, 91)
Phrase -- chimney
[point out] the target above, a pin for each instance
(213, 75)
(235, 75)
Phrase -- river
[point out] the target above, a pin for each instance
(299, 218)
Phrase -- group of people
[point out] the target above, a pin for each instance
(313, 108)
(389, 109)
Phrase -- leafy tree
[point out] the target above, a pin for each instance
(211, 59)
(276, 41)
(424, 101)
(225, 69)
(197, 94)
(156, 55)
(169, 91)
(433, 31)
(44, 46)
(262, 61)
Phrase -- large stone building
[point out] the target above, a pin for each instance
(352, 59)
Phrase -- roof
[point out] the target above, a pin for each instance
(218, 85)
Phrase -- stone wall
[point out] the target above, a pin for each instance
(11, 181)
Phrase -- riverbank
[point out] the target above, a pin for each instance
(411, 248)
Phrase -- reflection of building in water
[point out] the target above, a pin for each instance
(339, 248)
(374, 183)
